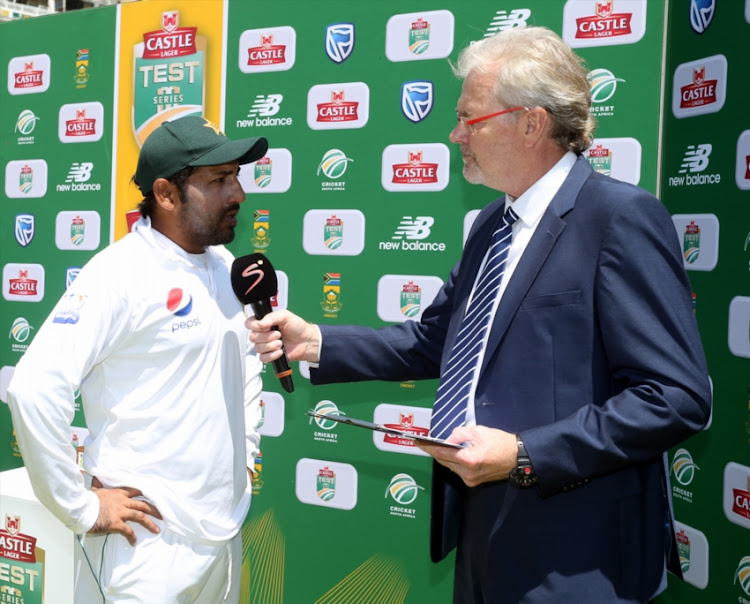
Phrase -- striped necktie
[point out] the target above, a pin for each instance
(449, 410)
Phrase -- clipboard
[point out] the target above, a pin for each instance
(360, 423)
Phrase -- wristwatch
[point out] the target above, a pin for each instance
(523, 475)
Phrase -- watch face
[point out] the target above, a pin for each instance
(523, 476)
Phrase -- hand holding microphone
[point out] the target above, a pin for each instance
(254, 282)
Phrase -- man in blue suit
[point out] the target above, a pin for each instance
(592, 367)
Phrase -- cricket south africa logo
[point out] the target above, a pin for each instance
(179, 52)
(683, 467)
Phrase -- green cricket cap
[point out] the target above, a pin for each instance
(191, 141)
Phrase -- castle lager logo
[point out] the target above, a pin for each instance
(343, 105)
(419, 36)
(600, 159)
(331, 303)
(23, 285)
(29, 74)
(29, 77)
(406, 423)
(169, 74)
(333, 232)
(22, 570)
(23, 282)
(80, 125)
(261, 238)
(267, 53)
(699, 86)
(691, 242)
(416, 171)
(605, 23)
(338, 109)
(172, 40)
(411, 299)
(741, 500)
(263, 172)
(81, 122)
(326, 484)
(267, 49)
(415, 167)
(14, 545)
(699, 92)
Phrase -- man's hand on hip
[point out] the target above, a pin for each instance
(117, 507)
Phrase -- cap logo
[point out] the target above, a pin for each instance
(213, 127)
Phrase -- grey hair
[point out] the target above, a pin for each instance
(535, 68)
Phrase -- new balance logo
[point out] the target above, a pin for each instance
(265, 106)
(517, 17)
(692, 169)
(417, 228)
(80, 172)
(696, 158)
(78, 178)
(410, 236)
(262, 111)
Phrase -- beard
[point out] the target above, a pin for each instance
(472, 172)
(205, 229)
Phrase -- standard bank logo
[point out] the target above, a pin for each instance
(262, 111)
(339, 41)
(517, 17)
(25, 228)
(701, 14)
(417, 100)
(694, 163)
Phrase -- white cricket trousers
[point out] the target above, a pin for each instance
(160, 569)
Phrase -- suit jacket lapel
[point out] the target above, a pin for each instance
(550, 227)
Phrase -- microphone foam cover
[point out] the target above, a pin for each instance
(253, 278)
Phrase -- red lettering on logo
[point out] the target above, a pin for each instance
(605, 26)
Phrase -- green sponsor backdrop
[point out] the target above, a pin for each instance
(81, 52)
(377, 551)
(704, 180)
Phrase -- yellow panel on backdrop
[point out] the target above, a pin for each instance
(169, 67)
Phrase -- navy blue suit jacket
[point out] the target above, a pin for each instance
(594, 358)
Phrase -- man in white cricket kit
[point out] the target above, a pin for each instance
(153, 335)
